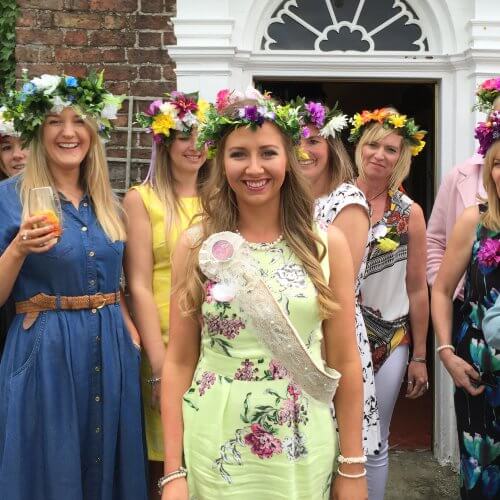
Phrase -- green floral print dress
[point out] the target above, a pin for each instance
(249, 430)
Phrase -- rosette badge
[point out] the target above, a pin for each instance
(179, 112)
(46, 94)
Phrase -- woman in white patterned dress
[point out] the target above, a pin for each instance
(340, 203)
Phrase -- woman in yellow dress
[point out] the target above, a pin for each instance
(157, 212)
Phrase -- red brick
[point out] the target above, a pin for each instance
(86, 54)
(37, 69)
(171, 6)
(46, 54)
(150, 89)
(46, 19)
(76, 5)
(113, 55)
(121, 73)
(169, 38)
(121, 121)
(27, 54)
(114, 5)
(77, 37)
(76, 70)
(168, 72)
(85, 21)
(115, 22)
(104, 38)
(117, 87)
(152, 22)
(149, 73)
(25, 36)
(141, 56)
(26, 18)
(155, 6)
(148, 39)
(41, 4)
(116, 152)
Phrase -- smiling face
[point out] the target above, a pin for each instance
(379, 157)
(315, 169)
(12, 155)
(183, 154)
(255, 163)
(66, 139)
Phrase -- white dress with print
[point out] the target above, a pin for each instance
(326, 209)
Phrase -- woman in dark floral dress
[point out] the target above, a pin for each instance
(472, 363)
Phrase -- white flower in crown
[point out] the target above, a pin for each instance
(168, 109)
(59, 104)
(335, 125)
(189, 120)
(111, 106)
(46, 83)
(6, 126)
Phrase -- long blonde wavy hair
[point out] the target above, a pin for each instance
(491, 218)
(161, 180)
(94, 179)
(376, 132)
(220, 213)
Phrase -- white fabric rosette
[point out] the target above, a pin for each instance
(225, 258)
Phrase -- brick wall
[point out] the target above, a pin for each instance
(126, 38)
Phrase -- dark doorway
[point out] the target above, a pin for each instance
(411, 426)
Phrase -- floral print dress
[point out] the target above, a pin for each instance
(326, 210)
(478, 417)
(249, 430)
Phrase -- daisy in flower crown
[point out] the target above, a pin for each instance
(178, 112)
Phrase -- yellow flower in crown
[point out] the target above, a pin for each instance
(418, 136)
(387, 245)
(397, 121)
(163, 123)
(203, 107)
(380, 114)
(416, 149)
(357, 121)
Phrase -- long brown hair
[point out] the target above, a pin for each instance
(220, 213)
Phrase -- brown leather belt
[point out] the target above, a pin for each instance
(43, 302)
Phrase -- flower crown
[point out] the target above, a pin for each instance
(389, 119)
(486, 93)
(286, 117)
(329, 121)
(180, 112)
(52, 93)
(488, 132)
(6, 126)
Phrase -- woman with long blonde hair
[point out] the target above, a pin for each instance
(394, 298)
(474, 249)
(158, 211)
(246, 395)
(339, 202)
(69, 379)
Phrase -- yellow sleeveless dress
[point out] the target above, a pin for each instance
(163, 245)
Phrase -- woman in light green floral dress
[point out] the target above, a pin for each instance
(232, 412)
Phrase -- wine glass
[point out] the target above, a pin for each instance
(43, 201)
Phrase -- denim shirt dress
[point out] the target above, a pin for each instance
(70, 403)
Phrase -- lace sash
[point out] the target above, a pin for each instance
(225, 258)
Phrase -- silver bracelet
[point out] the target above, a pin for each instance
(351, 476)
(445, 346)
(153, 381)
(176, 474)
(351, 460)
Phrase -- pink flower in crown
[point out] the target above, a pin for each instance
(294, 390)
(183, 104)
(154, 107)
(277, 370)
(491, 84)
(488, 255)
(262, 443)
(223, 99)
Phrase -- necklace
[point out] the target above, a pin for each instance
(369, 200)
(264, 245)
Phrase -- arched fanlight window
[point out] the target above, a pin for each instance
(342, 25)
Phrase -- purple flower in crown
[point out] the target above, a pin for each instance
(488, 256)
(316, 113)
(305, 132)
(487, 132)
(251, 113)
(154, 107)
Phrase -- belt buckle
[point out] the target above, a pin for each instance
(103, 300)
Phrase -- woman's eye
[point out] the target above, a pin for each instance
(6, 147)
(236, 154)
(269, 153)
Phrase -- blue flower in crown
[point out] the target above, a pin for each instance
(71, 81)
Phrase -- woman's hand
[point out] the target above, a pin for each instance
(417, 380)
(176, 490)
(34, 240)
(344, 488)
(462, 373)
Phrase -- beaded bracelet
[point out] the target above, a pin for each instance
(176, 474)
(153, 381)
(352, 476)
(445, 346)
(415, 359)
(351, 460)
